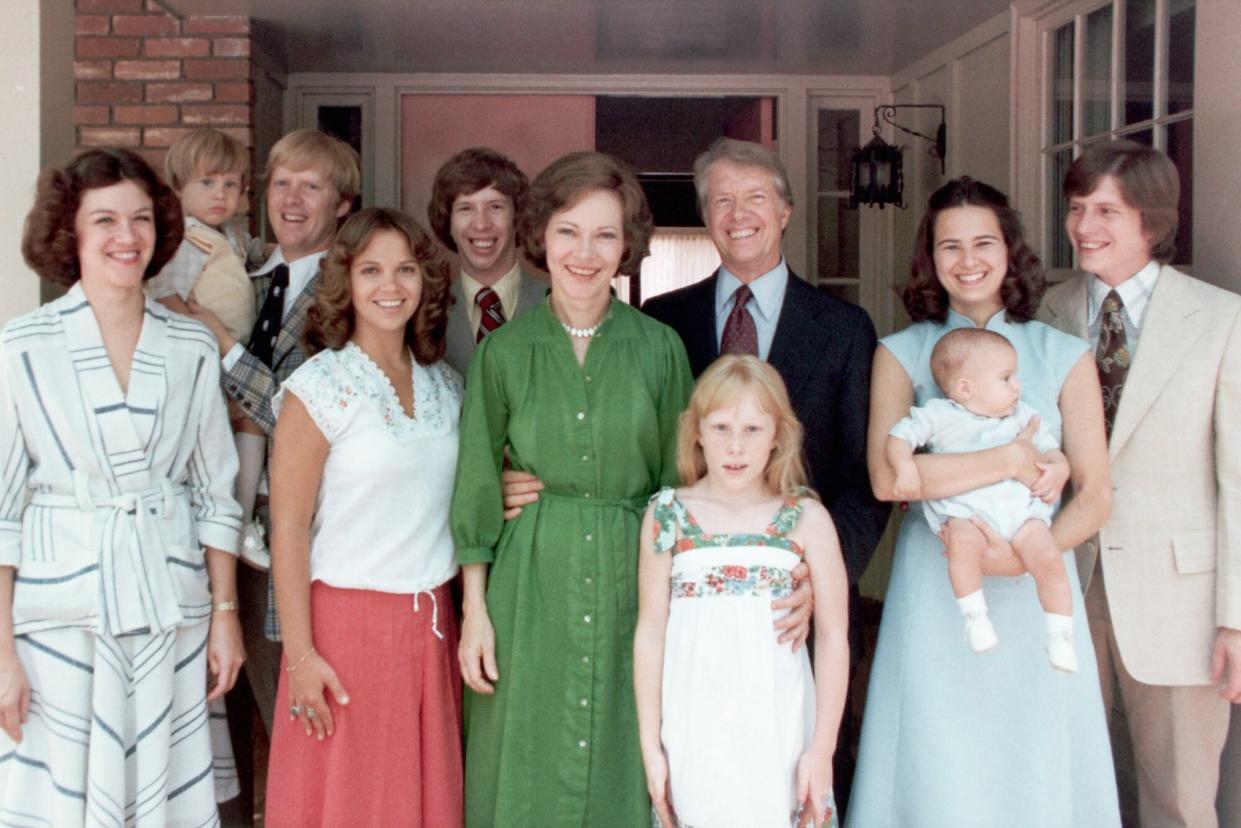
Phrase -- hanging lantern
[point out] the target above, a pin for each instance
(877, 175)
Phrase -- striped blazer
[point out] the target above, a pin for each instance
(108, 496)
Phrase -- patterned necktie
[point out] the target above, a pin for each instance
(492, 315)
(270, 318)
(740, 334)
(1112, 356)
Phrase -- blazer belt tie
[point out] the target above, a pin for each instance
(137, 592)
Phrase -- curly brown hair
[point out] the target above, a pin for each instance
(566, 180)
(1023, 284)
(49, 239)
(331, 320)
(467, 172)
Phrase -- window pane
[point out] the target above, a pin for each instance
(1180, 56)
(1061, 124)
(1143, 136)
(1139, 60)
(1059, 250)
(1097, 83)
(838, 139)
(838, 239)
(1181, 151)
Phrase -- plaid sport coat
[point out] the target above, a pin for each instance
(252, 384)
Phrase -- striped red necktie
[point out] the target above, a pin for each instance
(492, 315)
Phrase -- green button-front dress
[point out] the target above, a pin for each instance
(557, 745)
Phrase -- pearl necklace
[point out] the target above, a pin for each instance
(586, 333)
(580, 333)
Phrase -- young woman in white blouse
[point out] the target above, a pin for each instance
(362, 474)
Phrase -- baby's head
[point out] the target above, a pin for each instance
(731, 388)
(207, 168)
(977, 368)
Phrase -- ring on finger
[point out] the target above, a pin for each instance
(295, 710)
(310, 713)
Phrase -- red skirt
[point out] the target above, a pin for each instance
(395, 755)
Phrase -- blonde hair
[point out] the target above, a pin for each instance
(724, 384)
(307, 149)
(206, 151)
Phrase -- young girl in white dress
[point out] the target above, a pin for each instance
(734, 730)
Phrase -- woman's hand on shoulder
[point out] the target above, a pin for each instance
(477, 651)
(225, 652)
(309, 680)
(14, 695)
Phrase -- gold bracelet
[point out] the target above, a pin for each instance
(293, 667)
(224, 606)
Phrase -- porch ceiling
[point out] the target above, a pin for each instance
(846, 37)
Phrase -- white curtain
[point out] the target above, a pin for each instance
(678, 258)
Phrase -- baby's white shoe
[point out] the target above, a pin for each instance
(980, 633)
(1062, 652)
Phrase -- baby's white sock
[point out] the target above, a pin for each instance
(973, 604)
(1058, 624)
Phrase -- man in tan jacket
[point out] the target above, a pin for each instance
(1164, 573)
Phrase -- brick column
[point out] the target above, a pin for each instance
(144, 78)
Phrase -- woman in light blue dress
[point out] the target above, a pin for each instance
(951, 737)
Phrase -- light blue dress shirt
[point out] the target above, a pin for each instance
(768, 291)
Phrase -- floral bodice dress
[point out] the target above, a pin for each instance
(738, 706)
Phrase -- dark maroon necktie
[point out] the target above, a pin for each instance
(740, 334)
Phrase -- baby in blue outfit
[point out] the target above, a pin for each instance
(977, 371)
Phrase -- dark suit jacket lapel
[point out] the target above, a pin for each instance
(702, 345)
(793, 328)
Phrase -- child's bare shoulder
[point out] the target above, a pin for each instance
(814, 517)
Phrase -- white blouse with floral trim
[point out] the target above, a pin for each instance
(381, 518)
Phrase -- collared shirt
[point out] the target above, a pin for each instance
(507, 287)
(1135, 293)
(765, 307)
(183, 269)
(300, 274)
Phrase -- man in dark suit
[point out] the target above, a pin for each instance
(821, 346)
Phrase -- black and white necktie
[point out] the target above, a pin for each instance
(271, 317)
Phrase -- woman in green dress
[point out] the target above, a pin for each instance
(584, 392)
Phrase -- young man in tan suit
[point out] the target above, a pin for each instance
(1164, 573)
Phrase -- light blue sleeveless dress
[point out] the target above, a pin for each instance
(955, 738)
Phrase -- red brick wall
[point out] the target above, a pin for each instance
(145, 78)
